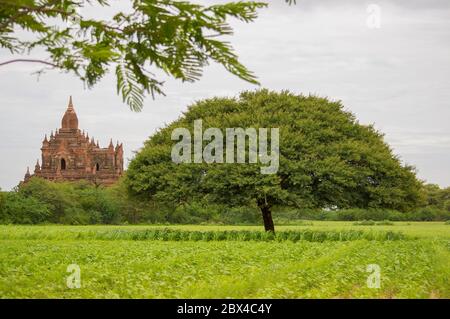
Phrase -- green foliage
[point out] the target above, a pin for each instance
(67, 203)
(81, 203)
(429, 214)
(177, 37)
(2, 201)
(58, 197)
(327, 159)
(41, 201)
(133, 210)
(363, 214)
(208, 213)
(438, 199)
(18, 209)
(240, 215)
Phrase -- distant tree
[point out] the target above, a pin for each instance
(432, 193)
(176, 37)
(327, 160)
(437, 197)
(446, 199)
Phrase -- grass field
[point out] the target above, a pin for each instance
(309, 260)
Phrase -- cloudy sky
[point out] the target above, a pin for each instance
(396, 76)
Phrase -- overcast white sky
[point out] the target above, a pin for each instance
(397, 77)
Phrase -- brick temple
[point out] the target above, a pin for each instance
(70, 155)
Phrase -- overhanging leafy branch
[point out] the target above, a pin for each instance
(177, 37)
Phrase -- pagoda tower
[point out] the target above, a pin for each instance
(69, 155)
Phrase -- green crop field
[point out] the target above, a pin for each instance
(310, 260)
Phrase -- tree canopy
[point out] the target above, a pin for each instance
(177, 37)
(327, 159)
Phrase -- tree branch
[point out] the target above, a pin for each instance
(27, 10)
(29, 60)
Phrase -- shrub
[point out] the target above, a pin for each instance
(240, 215)
(365, 222)
(62, 202)
(397, 216)
(428, 214)
(367, 214)
(19, 209)
(56, 196)
(75, 216)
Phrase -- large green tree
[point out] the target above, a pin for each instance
(176, 37)
(327, 159)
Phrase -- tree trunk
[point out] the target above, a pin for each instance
(267, 218)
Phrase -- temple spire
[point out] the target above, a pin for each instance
(70, 106)
(70, 119)
(37, 167)
(27, 174)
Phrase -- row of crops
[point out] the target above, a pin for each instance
(166, 234)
